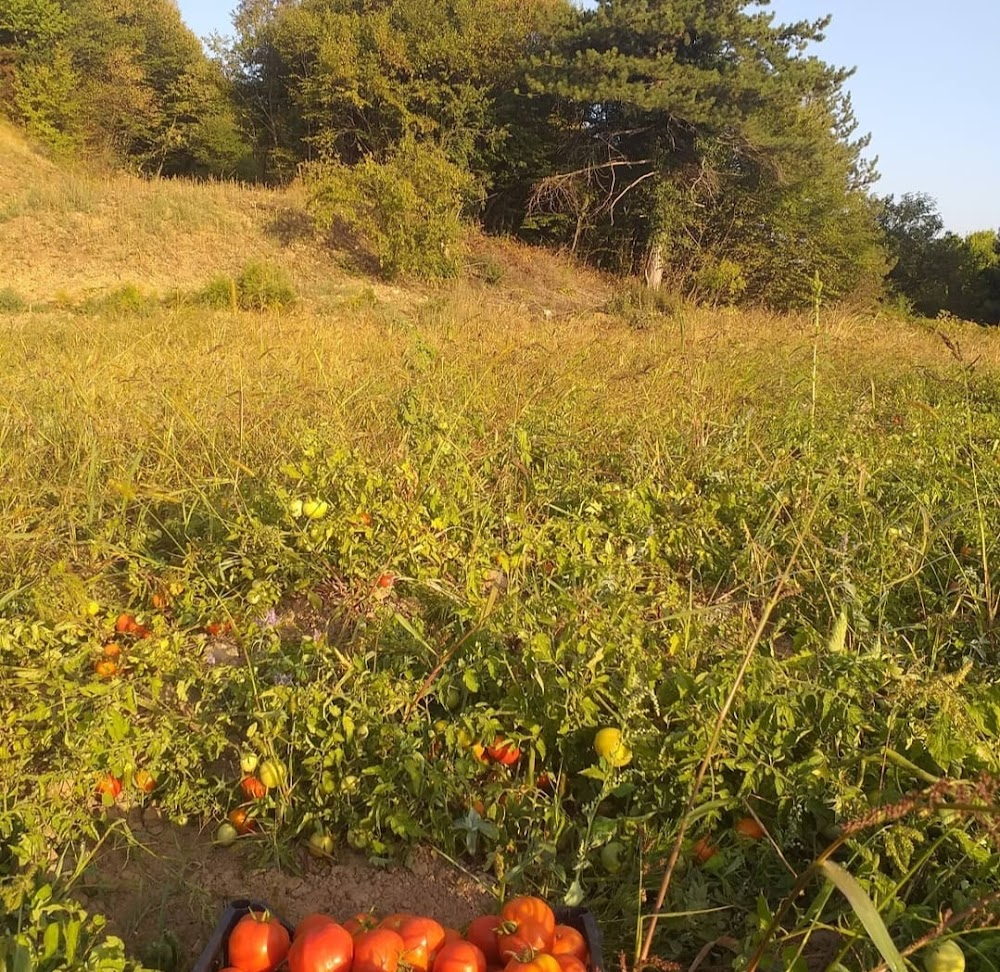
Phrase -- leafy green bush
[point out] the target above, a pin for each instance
(720, 282)
(11, 302)
(640, 305)
(407, 209)
(219, 293)
(264, 286)
(259, 287)
(127, 300)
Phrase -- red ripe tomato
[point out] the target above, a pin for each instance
(452, 935)
(253, 789)
(396, 920)
(109, 785)
(524, 939)
(539, 963)
(530, 908)
(379, 950)
(482, 932)
(460, 957)
(570, 963)
(568, 941)
(386, 580)
(258, 943)
(423, 931)
(311, 923)
(503, 751)
(361, 922)
(325, 948)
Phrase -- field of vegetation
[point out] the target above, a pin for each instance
(253, 508)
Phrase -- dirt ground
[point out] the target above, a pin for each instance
(169, 878)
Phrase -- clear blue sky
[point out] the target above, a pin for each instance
(926, 88)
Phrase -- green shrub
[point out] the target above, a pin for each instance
(407, 209)
(259, 287)
(640, 305)
(264, 286)
(11, 302)
(720, 282)
(127, 300)
(220, 293)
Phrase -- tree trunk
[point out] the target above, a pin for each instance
(654, 266)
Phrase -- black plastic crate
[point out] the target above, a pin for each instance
(214, 957)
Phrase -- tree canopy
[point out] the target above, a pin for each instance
(701, 142)
(122, 77)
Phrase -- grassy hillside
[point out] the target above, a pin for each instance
(546, 512)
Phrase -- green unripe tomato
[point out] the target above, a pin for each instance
(226, 834)
(295, 508)
(611, 857)
(945, 957)
(321, 845)
(272, 774)
(248, 763)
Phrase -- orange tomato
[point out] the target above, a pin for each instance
(144, 781)
(242, 821)
(529, 908)
(112, 650)
(365, 519)
(704, 850)
(109, 785)
(254, 789)
(542, 962)
(570, 963)
(125, 624)
(105, 668)
(749, 828)
(504, 751)
(568, 941)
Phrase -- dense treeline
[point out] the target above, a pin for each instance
(936, 272)
(699, 143)
(124, 78)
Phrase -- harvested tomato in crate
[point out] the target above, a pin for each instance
(218, 956)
